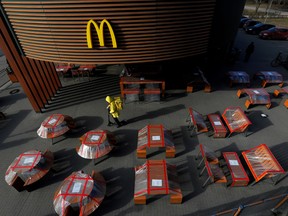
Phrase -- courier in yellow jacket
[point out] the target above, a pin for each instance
(112, 109)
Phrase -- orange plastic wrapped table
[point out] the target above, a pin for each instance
(262, 163)
(156, 177)
(211, 165)
(270, 77)
(236, 120)
(152, 136)
(238, 77)
(63, 68)
(28, 168)
(283, 90)
(86, 69)
(196, 121)
(80, 193)
(256, 96)
(134, 80)
(55, 125)
(218, 126)
(238, 174)
(95, 144)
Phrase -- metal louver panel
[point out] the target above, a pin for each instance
(145, 30)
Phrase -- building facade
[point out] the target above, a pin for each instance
(37, 34)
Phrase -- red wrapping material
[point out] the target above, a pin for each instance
(30, 166)
(53, 126)
(262, 162)
(96, 143)
(156, 177)
(81, 192)
(154, 136)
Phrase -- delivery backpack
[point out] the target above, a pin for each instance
(118, 103)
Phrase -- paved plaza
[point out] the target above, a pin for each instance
(85, 102)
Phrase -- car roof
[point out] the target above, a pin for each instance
(251, 22)
(272, 28)
(264, 24)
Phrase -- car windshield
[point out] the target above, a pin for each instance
(259, 24)
(272, 29)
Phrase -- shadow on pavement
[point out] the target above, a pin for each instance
(8, 125)
(157, 113)
(65, 162)
(120, 193)
(258, 205)
(258, 122)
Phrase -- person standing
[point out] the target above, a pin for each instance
(113, 111)
(249, 50)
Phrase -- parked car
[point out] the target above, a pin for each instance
(250, 23)
(256, 29)
(275, 33)
(242, 21)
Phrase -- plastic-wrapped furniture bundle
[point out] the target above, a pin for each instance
(256, 96)
(28, 168)
(236, 120)
(80, 193)
(238, 77)
(155, 136)
(132, 92)
(270, 77)
(196, 122)
(211, 165)
(152, 92)
(152, 95)
(132, 95)
(262, 163)
(156, 177)
(95, 144)
(55, 125)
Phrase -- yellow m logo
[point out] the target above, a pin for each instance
(100, 33)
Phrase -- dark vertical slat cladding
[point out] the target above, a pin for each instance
(40, 79)
(43, 77)
(18, 66)
(29, 81)
(35, 82)
(47, 79)
(145, 30)
(49, 76)
(52, 70)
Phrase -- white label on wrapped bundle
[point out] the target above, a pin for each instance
(52, 121)
(157, 182)
(155, 138)
(95, 137)
(233, 163)
(28, 160)
(76, 187)
(255, 91)
(217, 122)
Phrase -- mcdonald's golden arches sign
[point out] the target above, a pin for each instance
(100, 33)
